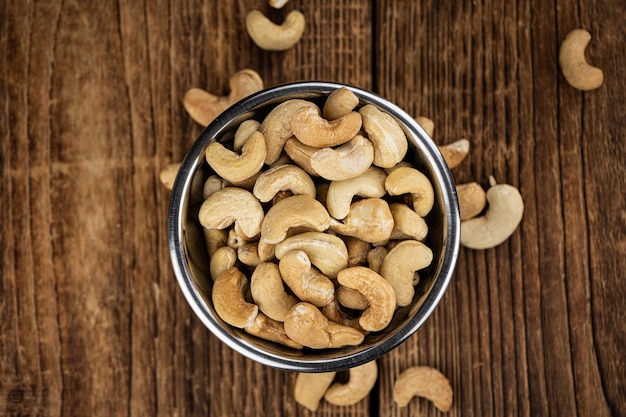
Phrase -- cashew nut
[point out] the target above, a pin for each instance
(272, 37)
(326, 251)
(357, 250)
(369, 220)
(390, 143)
(234, 167)
(232, 205)
(578, 73)
(362, 380)
(407, 224)
(248, 254)
(339, 103)
(401, 263)
(214, 239)
(228, 299)
(344, 162)
(375, 258)
(272, 330)
(427, 124)
(306, 282)
(268, 292)
(297, 210)
(426, 382)
(278, 4)
(301, 154)
(223, 259)
(311, 387)
(204, 107)
(454, 153)
(351, 298)
(236, 239)
(340, 193)
(409, 180)
(243, 133)
(472, 199)
(306, 325)
(167, 176)
(283, 178)
(312, 129)
(504, 213)
(212, 184)
(276, 127)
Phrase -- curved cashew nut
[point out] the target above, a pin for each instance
(294, 211)
(378, 292)
(306, 325)
(213, 184)
(243, 133)
(272, 37)
(311, 387)
(472, 199)
(214, 239)
(388, 138)
(427, 124)
(223, 259)
(232, 205)
(340, 193)
(405, 180)
(369, 220)
(248, 254)
(326, 251)
(375, 258)
(339, 103)
(504, 213)
(234, 167)
(578, 73)
(268, 292)
(312, 129)
(407, 224)
(401, 263)
(228, 299)
(426, 382)
(167, 176)
(283, 178)
(272, 330)
(357, 250)
(306, 282)
(301, 154)
(204, 107)
(276, 127)
(361, 382)
(454, 153)
(346, 161)
(351, 298)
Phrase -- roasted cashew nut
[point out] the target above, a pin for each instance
(248, 254)
(357, 250)
(228, 299)
(272, 37)
(343, 162)
(272, 330)
(237, 167)
(286, 177)
(311, 387)
(388, 138)
(312, 129)
(454, 153)
(213, 184)
(223, 259)
(427, 124)
(472, 199)
(339, 103)
(268, 292)
(326, 251)
(167, 176)
(301, 154)
(504, 213)
(379, 294)
(407, 224)
(351, 298)
(578, 73)
(340, 193)
(214, 239)
(406, 180)
(375, 258)
(243, 133)
(369, 220)
(426, 382)
(306, 282)
(232, 205)
(294, 211)
(362, 380)
(400, 264)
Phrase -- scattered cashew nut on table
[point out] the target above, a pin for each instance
(426, 382)
(361, 382)
(272, 37)
(576, 70)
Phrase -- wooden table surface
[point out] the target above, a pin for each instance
(92, 321)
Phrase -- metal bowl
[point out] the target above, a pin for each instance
(190, 260)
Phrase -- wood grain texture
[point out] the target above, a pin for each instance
(92, 321)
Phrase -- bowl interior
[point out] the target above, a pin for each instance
(191, 262)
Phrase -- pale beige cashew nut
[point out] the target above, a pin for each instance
(321, 192)
(388, 138)
(265, 250)
(369, 220)
(425, 382)
(228, 299)
(427, 124)
(311, 387)
(306, 282)
(232, 205)
(339, 103)
(379, 294)
(236, 167)
(268, 292)
(272, 330)
(305, 324)
(236, 239)
(375, 258)
(278, 4)
(472, 199)
(406, 180)
(243, 133)
(576, 70)
(310, 128)
(357, 250)
(326, 251)
(223, 259)
(300, 154)
(167, 176)
(276, 127)
(407, 224)
(248, 254)
(283, 159)
(505, 209)
(204, 107)
(340, 193)
(454, 153)
(213, 184)
(351, 298)
(399, 267)
(343, 162)
(362, 380)
(283, 178)
(214, 239)
(272, 37)
(294, 211)
(248, 183)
